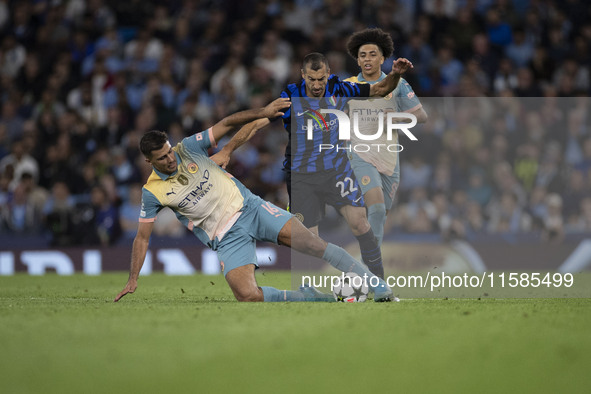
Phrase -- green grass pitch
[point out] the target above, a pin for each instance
(188, 335)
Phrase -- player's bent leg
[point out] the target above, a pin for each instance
(368, 243)
(294, 235)
(298, 237)
(356, 218)
(243, 284)
(343, 261)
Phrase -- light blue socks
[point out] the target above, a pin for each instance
(376, 216)
(343, 261)
(305, 293)
(272, 294)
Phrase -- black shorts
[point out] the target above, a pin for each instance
(309, 193)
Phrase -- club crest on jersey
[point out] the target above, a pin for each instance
(365, 180)
(192, 168)
(183, 180)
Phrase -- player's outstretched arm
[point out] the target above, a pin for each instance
(272, 110)
(421, 115)
(138, 255)
(222, 158)
(384, 87)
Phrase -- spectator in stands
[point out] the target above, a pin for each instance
(558, 47)
(486, 56)
(442, 177)
(541, 65)
(507, 216)
(478, 189)
(123, 170)
(526, 86)
(537, 207)
(419, 214)
(4, 14)
(20, 214)
(234, 73)
(417, 173)
(576, 190)
(13, 56)
(4, 141)
(519, 51)
(125, 67)
(20, 162)
(553, 221)
(450, 70)
(82, 101)
(58, 215)
(526, 164)
(474, 221)
(106, 216)
(462, 30)
(578, 74)
(581, 222)
(498, 31)
(270, 59)
(505, 182)
(422, 55)
(585, 164)
(11, 120)
(130, 210)
(505, 78)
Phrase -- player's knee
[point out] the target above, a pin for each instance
(359, 224)
(377, 209)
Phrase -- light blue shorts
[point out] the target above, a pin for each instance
(260, 221)
(369, 177)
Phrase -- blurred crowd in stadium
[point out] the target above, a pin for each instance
(82, 80)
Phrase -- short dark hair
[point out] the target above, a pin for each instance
(152, 140)
(315, 61)
(374, 36)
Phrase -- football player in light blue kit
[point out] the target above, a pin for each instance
(225, 215)
(378, 171)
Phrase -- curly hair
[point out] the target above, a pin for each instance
(370, 36)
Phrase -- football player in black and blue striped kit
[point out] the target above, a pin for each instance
(317, 177)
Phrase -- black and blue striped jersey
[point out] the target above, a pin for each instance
(303, 155)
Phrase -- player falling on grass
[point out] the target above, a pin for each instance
(317, 177)
(378, 171)
(225, 215)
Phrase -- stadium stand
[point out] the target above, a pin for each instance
(80, 81)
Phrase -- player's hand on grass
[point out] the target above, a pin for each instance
(273, 109)
(129, 288)
(401, 65)
(222, 158)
